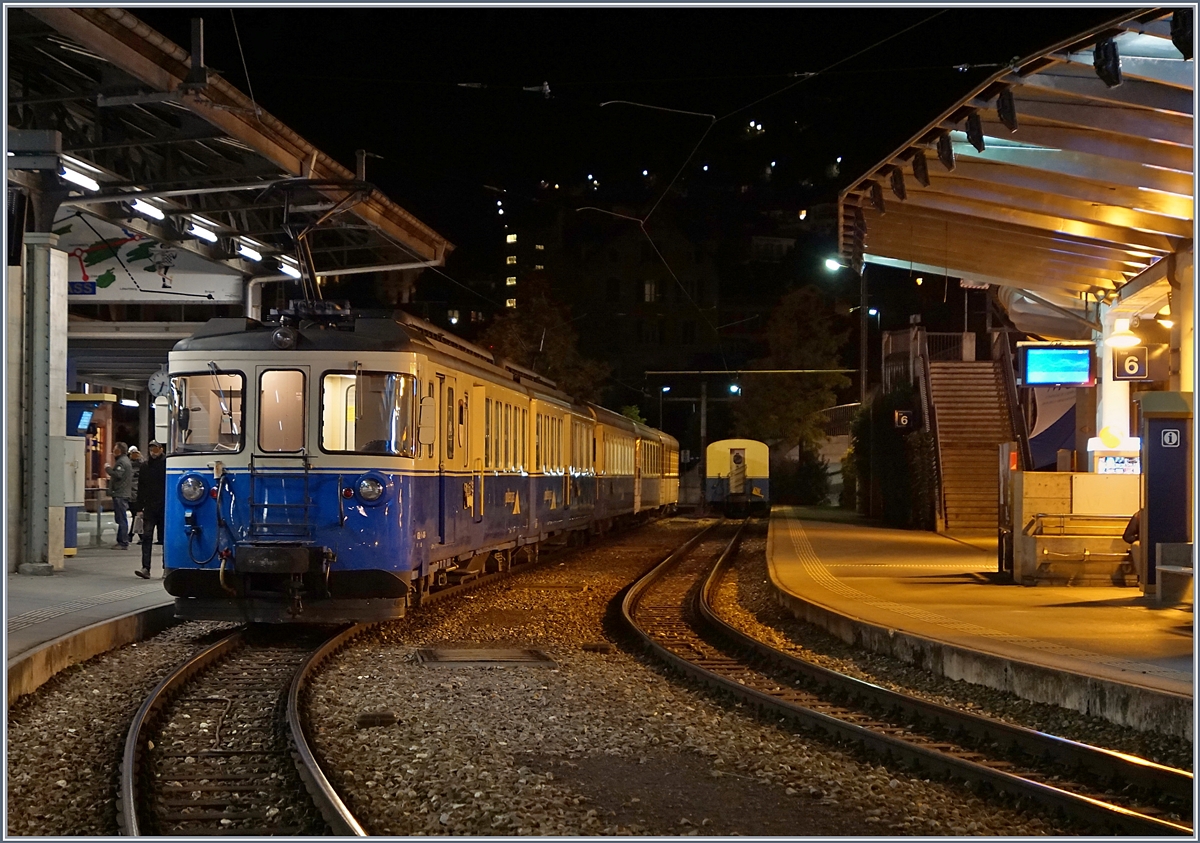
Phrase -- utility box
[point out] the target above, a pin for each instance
(68, 468)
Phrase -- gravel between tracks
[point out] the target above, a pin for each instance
(749, 602)
(64, 741)
(599, 743)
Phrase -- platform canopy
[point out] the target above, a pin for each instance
(149, 125)
(1065, 176)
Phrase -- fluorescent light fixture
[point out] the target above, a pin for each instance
(202, 233)
(148, 209)
(287, 269)
(79, 179)
(248, 253)
(128, 402)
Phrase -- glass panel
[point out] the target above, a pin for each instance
(487, 433)
(450, 423)
(507, 430)
(281, 410)
(369, 413)
(206, 413)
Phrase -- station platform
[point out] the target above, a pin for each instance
(95, 585)
(937, 600)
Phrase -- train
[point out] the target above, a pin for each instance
(737, 475)
(325, 466)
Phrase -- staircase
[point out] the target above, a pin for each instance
(970, 404)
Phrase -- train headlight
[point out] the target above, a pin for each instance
(191, 489)
(370, 489)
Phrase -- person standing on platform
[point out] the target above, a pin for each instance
(120, 486)
(152, 502)
(135, 460)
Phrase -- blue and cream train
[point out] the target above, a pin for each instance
(338, 468)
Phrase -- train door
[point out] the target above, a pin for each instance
(637, 475)
(448, 456)
(737, 471)
(569, 458)
(475, 434)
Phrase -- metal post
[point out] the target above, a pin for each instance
(46, 353)
(862, 330)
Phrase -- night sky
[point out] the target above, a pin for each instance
(390, 80)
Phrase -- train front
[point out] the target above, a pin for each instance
(289, 459)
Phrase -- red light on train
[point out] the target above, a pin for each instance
(212, 493)
(347, 493)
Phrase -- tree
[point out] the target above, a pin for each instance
(784, 407)
(538, 335)
(634, 412)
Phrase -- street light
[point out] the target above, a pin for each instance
(734, 389)
(661, 393)
(833, 265)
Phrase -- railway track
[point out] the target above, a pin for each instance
(218, 749)
(670, 610)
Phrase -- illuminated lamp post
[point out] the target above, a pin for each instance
(833, 265)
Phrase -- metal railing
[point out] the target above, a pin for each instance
(943, 347)
(1061, 520)
(1002, 353)
(929, 414)
(839, 418)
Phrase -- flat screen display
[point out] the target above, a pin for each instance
(85, 419)
(1058, 366)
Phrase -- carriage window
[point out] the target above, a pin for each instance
(507, 464)
(487, 433)
(450, 423)
(498, 427)
(524, 436)
(281, 410)
(206, 413)
(369, 413)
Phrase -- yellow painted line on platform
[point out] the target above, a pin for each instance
(820, 574)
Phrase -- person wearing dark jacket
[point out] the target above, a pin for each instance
(152, 502)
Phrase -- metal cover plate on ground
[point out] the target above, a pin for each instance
(482, 657)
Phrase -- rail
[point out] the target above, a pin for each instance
(1036, 526)
(1016, 416)
(943, 346)
(929, 414)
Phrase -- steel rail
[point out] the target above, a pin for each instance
(878, 742)
(1105, 764)
(323, 794)
(135, 739)
(326, 800)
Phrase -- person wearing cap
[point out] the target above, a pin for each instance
(151, 502)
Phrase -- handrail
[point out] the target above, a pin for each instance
(1037, 522)
(929, 415)
(1016, 418)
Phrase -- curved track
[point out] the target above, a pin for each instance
(217, 748)
(670, 610)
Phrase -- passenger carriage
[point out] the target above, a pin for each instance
(737, 474)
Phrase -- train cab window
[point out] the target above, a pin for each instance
(206, 412)
(281, 410)
(369, 413)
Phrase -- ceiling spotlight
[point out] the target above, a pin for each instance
(79, 179)
(1006, 108)
(1107, 62)
(148, 209)
(897, 178)
(1165, 321)
(975, 131)
(1122, 337)
(1181, 32)
(945, 149)
(920, 168)
(920, 280)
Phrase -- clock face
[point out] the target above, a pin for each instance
(160, 384)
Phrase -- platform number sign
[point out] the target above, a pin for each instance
(1131, 364)
(904, 419)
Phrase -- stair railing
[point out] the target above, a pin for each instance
(1016, 417)
(929, 417)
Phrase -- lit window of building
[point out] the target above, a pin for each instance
(510, 302)
(452, 316)
(511, 259)
(650, 291)
(540, 247)
(538, 266)
(510, 281)
(511, 238)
